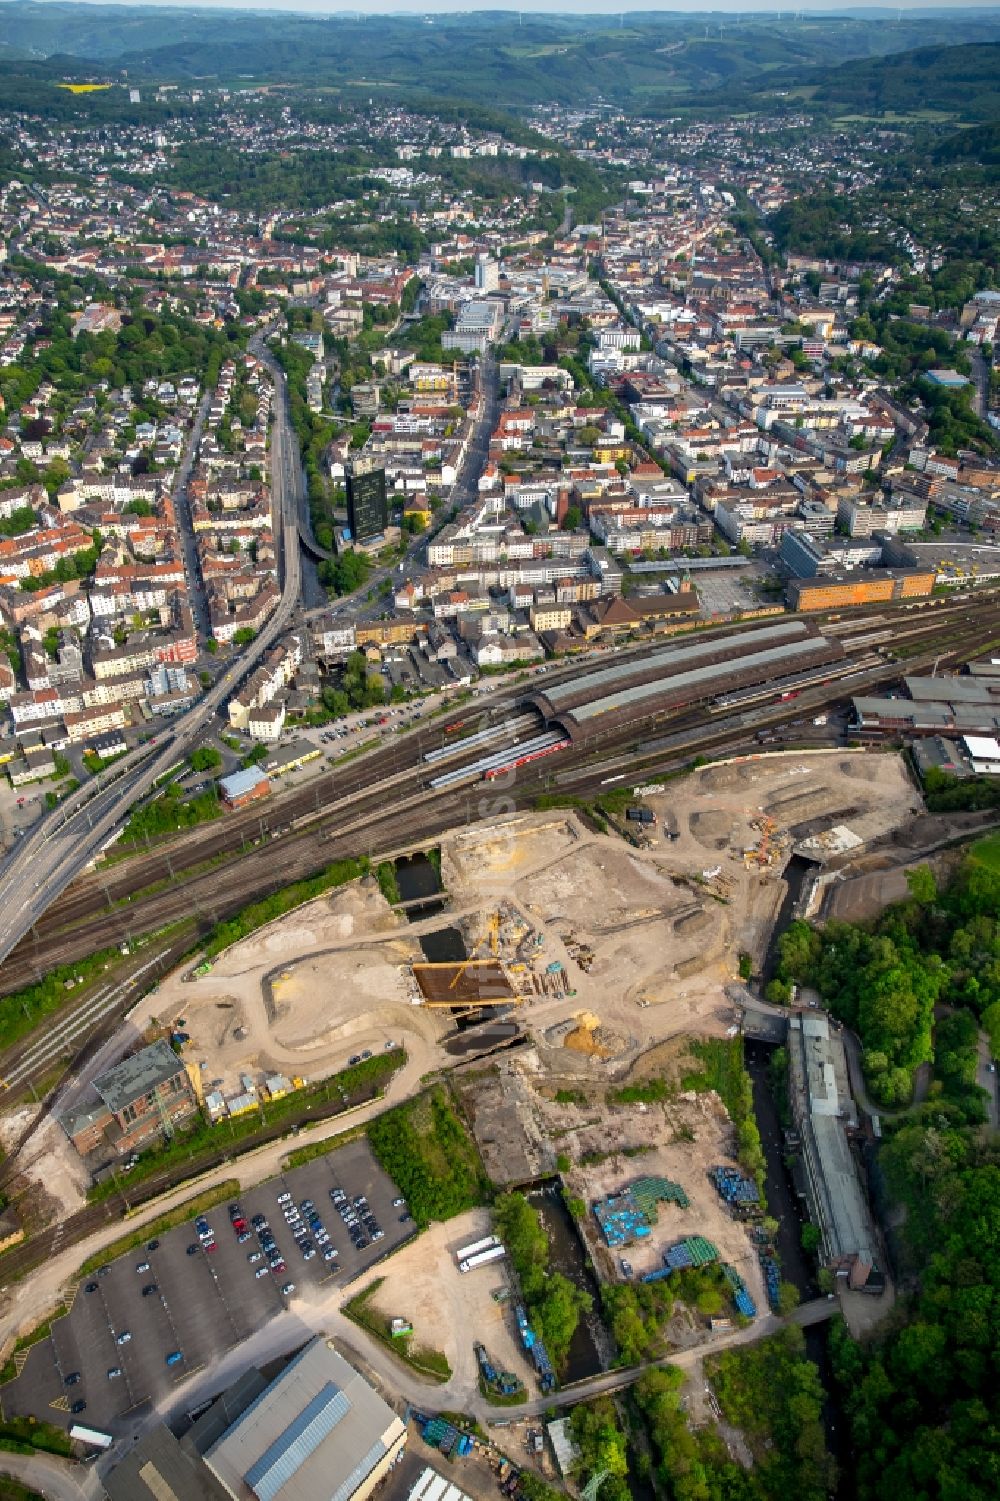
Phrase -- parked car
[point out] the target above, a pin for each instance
(72, 1379)
(174, 1358)
(114, 1372)
(142, 1266)
(78, 1407)
(125, 1338)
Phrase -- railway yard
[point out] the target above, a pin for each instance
(387, 799)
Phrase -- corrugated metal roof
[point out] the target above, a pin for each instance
(242, 782)
(370, 1428)
(301, 1438)
(429, 1487)
(719, 671)
(670, 657)
(361, 1471)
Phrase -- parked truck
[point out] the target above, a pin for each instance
(477, 1245)
(482, 1258)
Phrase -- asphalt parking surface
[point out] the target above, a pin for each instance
(204, 1303)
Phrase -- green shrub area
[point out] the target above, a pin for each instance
(13, 1490)
(947, 794)
(604, 1448)
(775, 1396)
(169, 812)
(922, 1396)
(427, 1363)
(424, 1147)
(652, 1092)
(636, 1313)
(25, 1436)
(723, 1070)
(259, 913)
(885, 978)
(385, 874)
(555, 1304)
(23, 1010)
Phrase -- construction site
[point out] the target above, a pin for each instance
(646, 1171)
(594, 947)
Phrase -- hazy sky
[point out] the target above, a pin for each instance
(565, 7)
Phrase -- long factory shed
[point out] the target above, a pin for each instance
(680, 675)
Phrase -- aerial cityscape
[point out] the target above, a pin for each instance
(500, 797)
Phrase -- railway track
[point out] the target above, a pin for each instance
(361, 821)
(122, 882)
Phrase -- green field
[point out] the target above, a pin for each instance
(987, 852)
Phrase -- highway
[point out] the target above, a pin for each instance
(70, 836)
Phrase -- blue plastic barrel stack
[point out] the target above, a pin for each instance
(742, 1299)
(537, 1351)
(772, 1278)
(734, 1187)
(446, 1437)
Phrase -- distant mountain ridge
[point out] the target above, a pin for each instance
(641, 61)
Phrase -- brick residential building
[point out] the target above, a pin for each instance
(145, 1096)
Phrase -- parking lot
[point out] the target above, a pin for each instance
(203, 1301)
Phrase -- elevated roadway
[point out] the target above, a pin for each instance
(70, 836)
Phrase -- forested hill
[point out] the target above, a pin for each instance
(641, 60)
(961, 80)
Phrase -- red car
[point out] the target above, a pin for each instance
(240, 1225)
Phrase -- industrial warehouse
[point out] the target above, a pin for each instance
(317, 1432)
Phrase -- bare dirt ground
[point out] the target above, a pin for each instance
(50, 1170)
(644, 940)
(304, 994)
(609, 1146)
(450, 1309)
(643, 943)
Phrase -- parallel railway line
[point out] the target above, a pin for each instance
(364, 816)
